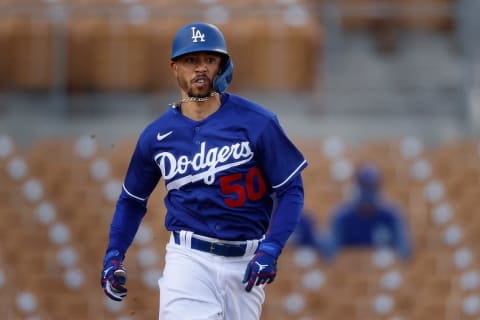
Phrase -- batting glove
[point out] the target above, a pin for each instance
(262, 268)
(114, 276)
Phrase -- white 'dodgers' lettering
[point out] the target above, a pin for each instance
(204, 164)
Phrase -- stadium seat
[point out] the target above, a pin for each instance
(80, 31)
(6, 32)
(32, 71)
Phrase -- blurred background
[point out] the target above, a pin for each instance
(396, 82)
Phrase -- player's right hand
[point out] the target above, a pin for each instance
(114, 276)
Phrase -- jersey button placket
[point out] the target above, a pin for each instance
(196, 135)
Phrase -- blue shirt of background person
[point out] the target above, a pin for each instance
(367, 219)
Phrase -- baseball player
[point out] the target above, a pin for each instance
(234, 190)
(368, 219)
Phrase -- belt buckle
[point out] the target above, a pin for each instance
(212, 246)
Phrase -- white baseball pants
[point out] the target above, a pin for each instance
(198, 285)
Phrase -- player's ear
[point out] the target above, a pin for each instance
(173, 65)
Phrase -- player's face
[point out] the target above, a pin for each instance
(195, 72)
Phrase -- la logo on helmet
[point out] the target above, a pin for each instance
(196, 34)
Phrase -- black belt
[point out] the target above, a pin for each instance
(218, 248)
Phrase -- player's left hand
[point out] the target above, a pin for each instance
(260, 270)
(114, 276)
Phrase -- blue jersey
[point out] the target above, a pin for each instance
(220, 173)
(384, 227)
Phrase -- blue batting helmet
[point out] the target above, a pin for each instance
(200, 36)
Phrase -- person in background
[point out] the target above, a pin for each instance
(308, 234)
(367, 219)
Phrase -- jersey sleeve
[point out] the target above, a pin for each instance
(282, 164)
(142, 175)
(280, 159)
(141, 178)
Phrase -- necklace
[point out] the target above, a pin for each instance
(199, 99)
(193, 99)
